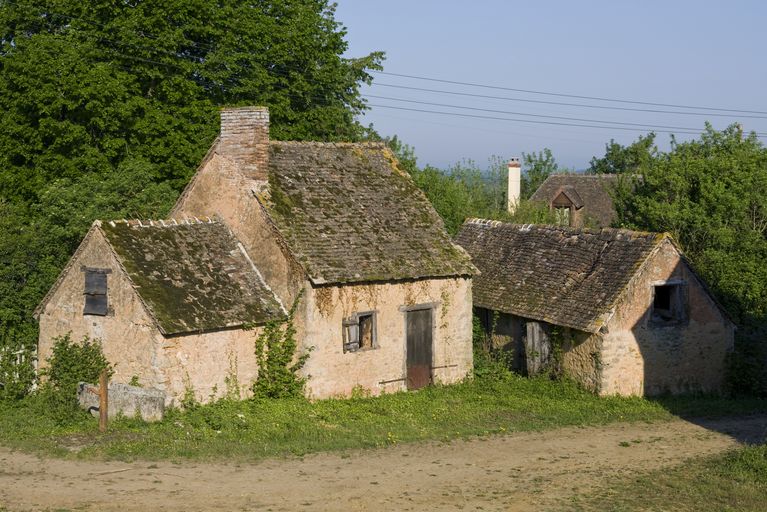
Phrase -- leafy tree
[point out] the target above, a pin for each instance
(536, 167)
(626, 159)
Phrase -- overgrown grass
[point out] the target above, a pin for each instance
(249, 430)
(730, 482)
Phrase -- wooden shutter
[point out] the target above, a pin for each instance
(351, 334)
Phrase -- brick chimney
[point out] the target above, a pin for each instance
(515, 178)
(245, 139)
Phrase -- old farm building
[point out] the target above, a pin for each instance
(578, 199)
(384, 296)
(625, 308)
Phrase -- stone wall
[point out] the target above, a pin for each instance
(640, 357)
(383, 369)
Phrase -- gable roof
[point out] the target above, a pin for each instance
(563, 276)
(349, 214)
(592, 191)
(193, 276)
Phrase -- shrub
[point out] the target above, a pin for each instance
(278, 366)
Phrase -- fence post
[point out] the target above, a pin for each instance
(103, 401)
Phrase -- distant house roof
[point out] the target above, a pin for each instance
(349, 214)
(591, 192)
(192, 276)
(563, 276)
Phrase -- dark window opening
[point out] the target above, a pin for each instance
(668, 305)
(95, 291)
(359, 332)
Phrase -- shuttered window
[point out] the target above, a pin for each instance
(95, 292)
(359, 332)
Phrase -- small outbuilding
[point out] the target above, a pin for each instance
(580, 200)
(622, 312)
(168, 300)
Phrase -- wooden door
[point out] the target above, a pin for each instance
(419, 348)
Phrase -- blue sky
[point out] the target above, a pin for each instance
(699, 53)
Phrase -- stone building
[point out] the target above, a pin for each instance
(168, 300)
(579, 199)
(383, 294)
(622, 312)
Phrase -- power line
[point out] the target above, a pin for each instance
(563, 95)
(560, 103)
(642, 125)
(476, 116)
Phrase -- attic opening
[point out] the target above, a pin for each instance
(668, 304)
(562, 207)
(360, 332)
(95, 291)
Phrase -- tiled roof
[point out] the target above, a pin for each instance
(592, 193)
(563, 276)
(193, 276)
(349, 214)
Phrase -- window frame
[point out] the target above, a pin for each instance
(350, 327)
(678, 304)
(93, 296)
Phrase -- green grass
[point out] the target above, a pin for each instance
(251, 430)
(730, 482)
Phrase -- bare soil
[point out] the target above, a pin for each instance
(518, 471)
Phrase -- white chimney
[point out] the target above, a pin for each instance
(515, 179)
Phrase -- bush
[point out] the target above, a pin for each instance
(70, 363)
(747, 369)
(278, 366)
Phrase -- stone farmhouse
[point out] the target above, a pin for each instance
(621, 312)
(383, 296)
(579, 199)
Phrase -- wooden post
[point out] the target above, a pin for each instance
(103, 401)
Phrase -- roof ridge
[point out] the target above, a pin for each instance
(370, 144)
(158, 223)
(610, 231)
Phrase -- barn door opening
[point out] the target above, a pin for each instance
(419, 348)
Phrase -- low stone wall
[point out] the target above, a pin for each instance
(125, 400)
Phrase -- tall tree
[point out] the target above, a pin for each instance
(87, 85)
(629, 159)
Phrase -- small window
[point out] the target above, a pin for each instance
(668, 304)
(96, 292)
(360, 332)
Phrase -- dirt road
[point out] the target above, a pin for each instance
(515, 472)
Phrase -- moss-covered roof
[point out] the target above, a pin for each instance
(591, 192)
(563, 276)
(349, 214)
(192, 276)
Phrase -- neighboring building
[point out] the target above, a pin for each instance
(580, 199)
(622, 312)
(168, 301)
(384, 296)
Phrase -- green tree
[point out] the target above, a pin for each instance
(626, 159)
(536, 167)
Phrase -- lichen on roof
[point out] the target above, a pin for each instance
(192, 276)
(349, 214)
(564, 276)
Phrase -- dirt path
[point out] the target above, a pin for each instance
(514, 472)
